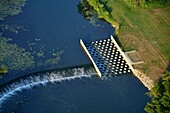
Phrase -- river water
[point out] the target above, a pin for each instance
(52, 26)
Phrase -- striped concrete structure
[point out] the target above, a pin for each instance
(107, 57)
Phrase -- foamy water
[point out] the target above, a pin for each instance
(42, 79)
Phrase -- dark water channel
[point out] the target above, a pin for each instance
(50, 26)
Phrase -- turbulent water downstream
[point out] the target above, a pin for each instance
(75, 90)
(42, 79)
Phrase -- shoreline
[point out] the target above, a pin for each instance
(146, 81)
(138, 29)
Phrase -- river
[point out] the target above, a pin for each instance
(48, 27)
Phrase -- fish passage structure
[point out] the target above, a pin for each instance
(107, 57)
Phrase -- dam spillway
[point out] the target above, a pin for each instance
(107, 57)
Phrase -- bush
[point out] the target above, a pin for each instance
(145, 3)
(103, 12)
(160, 96)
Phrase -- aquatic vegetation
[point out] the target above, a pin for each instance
(40, 54)
(55, 60)
(13, 28)
(10, 7)
(3, 69)
(14, 57)
(57, 54)
(41, 50)
(51, 61)
(17, 58)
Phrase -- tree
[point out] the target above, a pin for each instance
(160, 96)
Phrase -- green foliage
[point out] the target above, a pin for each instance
(88, 12)
(10, 7)
(56, 58)
(146, 3)
(135, 3)
(160, 96)
(3, 69)
(13, 28)
(157, 2)
(85, 9)
(103, 11)
(14, 57)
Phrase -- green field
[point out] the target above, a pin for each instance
(146, 30)
(151, 24)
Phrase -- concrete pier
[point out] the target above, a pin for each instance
(90, 57)
(107, 57)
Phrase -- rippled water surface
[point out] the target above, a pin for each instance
(50, 26)
(47, 27)
(81, 92)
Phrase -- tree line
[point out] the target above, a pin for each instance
(160, 95)
(104, 11)
(146, 3)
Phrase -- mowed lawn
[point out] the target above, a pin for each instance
(148, 32)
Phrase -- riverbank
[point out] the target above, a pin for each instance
(145, 30)
(146, 81)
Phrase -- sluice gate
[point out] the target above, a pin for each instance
(107, 57)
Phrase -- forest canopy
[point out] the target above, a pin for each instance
(160, 96)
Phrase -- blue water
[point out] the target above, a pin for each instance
(122, 94)
(59, 26)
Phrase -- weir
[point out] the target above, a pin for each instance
(107, 57)
(12, 89)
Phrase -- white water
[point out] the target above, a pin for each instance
(43, 79)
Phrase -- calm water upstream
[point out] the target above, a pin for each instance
(52, 26)
(49, 26)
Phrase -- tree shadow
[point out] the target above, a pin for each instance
(108, 9)
(118, 42)
(168, 67)
(85, 9)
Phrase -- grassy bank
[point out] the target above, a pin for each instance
(146, 30)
